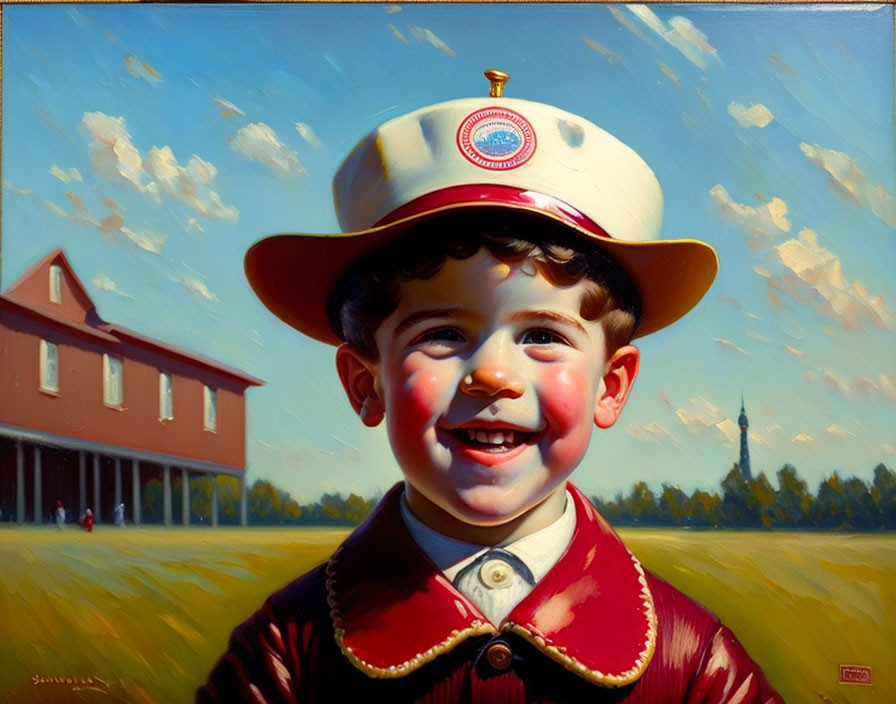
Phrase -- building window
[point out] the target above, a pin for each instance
(113, 383)
(49, 366)
(166, 403)
(210, 406)
(55, 283)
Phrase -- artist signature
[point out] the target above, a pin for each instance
(76, 683)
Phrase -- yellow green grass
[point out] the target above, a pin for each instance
(148, 610)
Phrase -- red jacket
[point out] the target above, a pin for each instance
(380, 623)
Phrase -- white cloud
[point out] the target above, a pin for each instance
(190, 183)
(669, 73)
(886, 447)
(729, 346)
(56, 209)
(392, 9)
(803, 439)
(883, 385)
(260, 143)
(766, 221)
(141, 69)
(681, 33)
(112, 153)
(701, 418)
(104, 283)
(150, 241)
(851, 182)
(112, 226)
(835, 431)
(306, 133)
(794, 351)
(194, 226)
(397, 32)
(834, 381)
(757, 115)
(59, 173)
(115, 158)
(768, 437)
(601, 49)
(759, 337)
(815, 275)
(653, 433)
(10, 188)
(425, 35)
(197, 287)
(623, 19)
(226, 108)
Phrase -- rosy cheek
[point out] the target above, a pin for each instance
(415, 401)
(567, 412)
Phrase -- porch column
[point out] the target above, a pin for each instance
(244, 503)
(185, 496)
(38, 481)
(82, 483)
(166, 501)
(20, 483)
(214, 499)
(135, 493)
(117, 481)
(96, 487)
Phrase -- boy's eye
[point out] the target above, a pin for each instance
(441, 335)
(540, 336)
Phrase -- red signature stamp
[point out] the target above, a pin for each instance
(856, 674)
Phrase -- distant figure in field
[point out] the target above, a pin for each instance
(119, 515)
(59, 514)
(87, 520)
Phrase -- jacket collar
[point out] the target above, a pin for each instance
(393, 610)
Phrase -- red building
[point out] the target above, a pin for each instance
(90, 411)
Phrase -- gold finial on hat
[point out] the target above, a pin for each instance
(498, 79)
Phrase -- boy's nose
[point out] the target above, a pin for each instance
(492, 380)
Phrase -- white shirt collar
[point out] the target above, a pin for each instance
(540, 550)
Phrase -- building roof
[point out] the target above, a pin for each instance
(80, 317)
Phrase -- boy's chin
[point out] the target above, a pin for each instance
(495, 506)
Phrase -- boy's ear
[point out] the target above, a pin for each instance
(621, 370)
(358, 377)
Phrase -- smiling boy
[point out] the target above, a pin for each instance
(498, 258)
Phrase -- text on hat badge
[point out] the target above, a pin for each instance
(496, 138)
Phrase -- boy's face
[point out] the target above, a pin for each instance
(490, 381)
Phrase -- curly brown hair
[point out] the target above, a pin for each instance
(371, 290)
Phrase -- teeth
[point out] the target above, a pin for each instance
(492, 437)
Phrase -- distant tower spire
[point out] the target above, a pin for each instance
(744, 450)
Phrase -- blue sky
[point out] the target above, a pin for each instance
(156, 143)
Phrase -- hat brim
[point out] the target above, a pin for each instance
(294, 274)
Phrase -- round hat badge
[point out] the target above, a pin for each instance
(496, 138)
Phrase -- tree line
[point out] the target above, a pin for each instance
(838, 504)
(267, 505)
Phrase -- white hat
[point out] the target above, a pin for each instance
(476, 153)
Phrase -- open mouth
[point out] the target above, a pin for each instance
(491, 439)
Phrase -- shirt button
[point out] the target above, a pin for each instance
(499, 656)
(496, 574)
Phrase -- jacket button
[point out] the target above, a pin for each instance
(499, 656)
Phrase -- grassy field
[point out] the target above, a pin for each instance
(148, 611)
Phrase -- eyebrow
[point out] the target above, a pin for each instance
(433, 313)
(540, 315)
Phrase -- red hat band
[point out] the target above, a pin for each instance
(494, 194)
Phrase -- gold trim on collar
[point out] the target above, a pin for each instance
(572, 664)
(476, 627)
